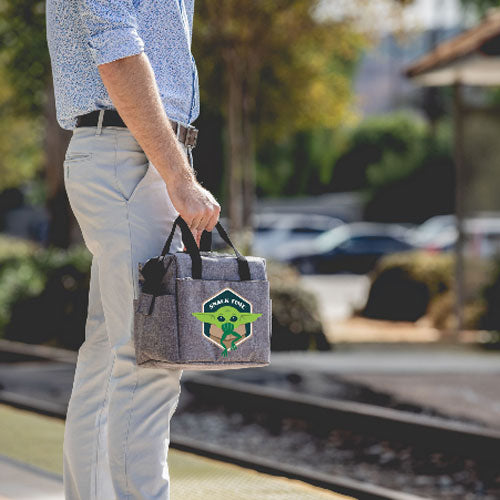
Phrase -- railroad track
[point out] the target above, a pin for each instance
(465, 439)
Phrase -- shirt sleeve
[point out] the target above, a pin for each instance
(111, 26)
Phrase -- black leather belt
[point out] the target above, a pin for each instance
(187, 135)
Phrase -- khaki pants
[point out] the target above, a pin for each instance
(118, 422)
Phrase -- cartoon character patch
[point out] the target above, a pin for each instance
(227, 319)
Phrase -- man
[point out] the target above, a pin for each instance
(122, 70)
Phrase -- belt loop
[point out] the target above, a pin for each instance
(99, 122)
(178, 130)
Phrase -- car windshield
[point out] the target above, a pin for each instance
(330, 239)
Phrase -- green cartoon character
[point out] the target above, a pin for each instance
(227, 318)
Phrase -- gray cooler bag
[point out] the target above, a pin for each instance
(202, 310)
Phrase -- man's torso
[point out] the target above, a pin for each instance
(165, 29)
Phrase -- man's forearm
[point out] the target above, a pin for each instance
(131, 84)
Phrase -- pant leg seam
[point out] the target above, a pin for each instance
(125, 444)
(99, 418)
(132, 336)
(99, 425)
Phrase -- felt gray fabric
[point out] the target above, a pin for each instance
(167, 334)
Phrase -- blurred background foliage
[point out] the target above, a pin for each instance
(24, 52)
(404, 285)
(282, 54)
(418, 285)
(480, 5)
(395, 160)
(20, 144)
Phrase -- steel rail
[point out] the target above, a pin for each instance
(464, 439)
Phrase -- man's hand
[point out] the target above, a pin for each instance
(131, 84)
(197, 205)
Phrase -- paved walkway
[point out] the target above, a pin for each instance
(193, 478)
(20, 481)
(30, 471)
(397, 359)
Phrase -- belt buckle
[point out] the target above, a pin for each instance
(191, 135)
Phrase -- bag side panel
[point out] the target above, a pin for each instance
(155, 334)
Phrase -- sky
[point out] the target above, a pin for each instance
(423, 14)
(435, 13)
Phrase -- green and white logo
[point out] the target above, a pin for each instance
(227, 319)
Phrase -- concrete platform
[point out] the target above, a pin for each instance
(21, 481)
(30, 471)
(193, 478)
(394, 358)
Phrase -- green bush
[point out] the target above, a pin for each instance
(40, 289)
(409, 285)
(12, 247)
(296, 323)
(442, 312)
(404, 284)
(490, 297)
(18, 277)
(362, 163)
(403, 168)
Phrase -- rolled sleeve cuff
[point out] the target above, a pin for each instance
(115, 44)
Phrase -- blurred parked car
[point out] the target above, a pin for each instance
(482, 235)
(426, 234)
(351, 248)
(276, 233)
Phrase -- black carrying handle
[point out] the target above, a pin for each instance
(206, 241)
(194, 251)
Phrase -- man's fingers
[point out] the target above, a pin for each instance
(195, 223)
(207, 221)
(212, 218)
(197, 237)
(213, 221)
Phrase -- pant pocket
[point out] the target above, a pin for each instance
(71, 160)
(74, 157)
(131, 171)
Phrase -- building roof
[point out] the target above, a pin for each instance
(473, 57)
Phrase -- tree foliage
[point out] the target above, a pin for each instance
(295, 68)
(480, 6)
(25, 54)
(20, 144)
(25, 70)
(414, 176)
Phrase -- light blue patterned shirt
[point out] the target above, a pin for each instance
(81, 34)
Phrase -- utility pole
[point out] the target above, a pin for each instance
(459, 206)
